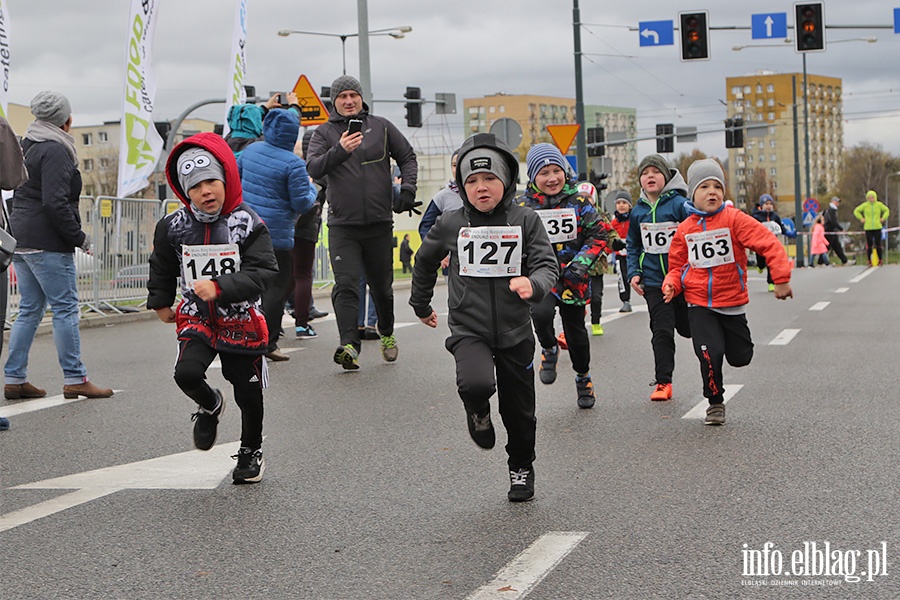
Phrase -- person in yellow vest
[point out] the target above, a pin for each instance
(873, 215)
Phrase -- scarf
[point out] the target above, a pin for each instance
(202, 216)
(42, 131)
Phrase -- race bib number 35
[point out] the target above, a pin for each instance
(560, 223)
(209, 261)
(657, 237)
(710, 248)
(490, 251)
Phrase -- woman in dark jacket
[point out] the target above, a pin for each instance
(47, 227)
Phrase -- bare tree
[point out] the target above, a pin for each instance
(757, 184)
(864, 167)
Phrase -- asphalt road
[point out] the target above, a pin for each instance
(374, 489)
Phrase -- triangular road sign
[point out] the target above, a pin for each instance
(312, 110)
(563, 135)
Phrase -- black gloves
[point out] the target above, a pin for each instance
(617, 244)
(406, 201)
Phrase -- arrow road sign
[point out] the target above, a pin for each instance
(657, 33)
(194, 470)
(897, 20)
(768, 26)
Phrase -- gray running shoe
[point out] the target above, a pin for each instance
(715, 415)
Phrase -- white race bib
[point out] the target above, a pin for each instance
(710, 248)
(657, 237)
(560, 223)
(773, 227)
(490, 251)
(209, 261)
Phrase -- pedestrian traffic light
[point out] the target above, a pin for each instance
(734, 132)
(665, 138)
(694, 36)
(599, 181)
(809, 25)
(596, 135)
(413, 109)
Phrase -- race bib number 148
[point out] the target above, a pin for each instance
(209, 261)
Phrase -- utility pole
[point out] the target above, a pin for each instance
(580, 137)
(365, 73)
(798, 209)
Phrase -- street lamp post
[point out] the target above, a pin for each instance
(887, 201)
(394, 32)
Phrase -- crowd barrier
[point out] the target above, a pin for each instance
(112, 278)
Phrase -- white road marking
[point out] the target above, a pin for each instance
(27, 406)
(784, 338)
(636, 308)
(526, 571)
(841, 290)
(699, 411)
(194, 470)
(863, 275)
(819, 306)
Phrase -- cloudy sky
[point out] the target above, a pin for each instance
(468, 47)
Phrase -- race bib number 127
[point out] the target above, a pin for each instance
(209, 261)
(490, 251)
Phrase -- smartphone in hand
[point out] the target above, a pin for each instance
(354, 126)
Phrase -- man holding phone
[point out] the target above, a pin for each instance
(353, 152)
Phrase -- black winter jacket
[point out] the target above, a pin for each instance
(45, 208)
(359, 184)
(484, 307)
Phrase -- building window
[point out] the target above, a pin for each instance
(759, 101)
(771, 102)
(503, 108)
(735, 90)
(104, 163)
(773, 144)
(774, 172)
(746, 89)
(88, 164)
(762, 158)
(492, 109)
(102, 136)
(86, 139)
(759, 88)
(771, 116)
(773, 157)
(770, 88)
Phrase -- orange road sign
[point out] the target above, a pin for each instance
(312, 110)
(563, 135)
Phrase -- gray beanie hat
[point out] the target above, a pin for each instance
(484, 160)
(196, 165)
(625, 196)
(344, 83)
(703, 170)
(52, 107)
(655, 160)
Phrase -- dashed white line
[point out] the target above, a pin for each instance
(699, 411)
(819, 306)
(524, 572)
(842, 290)
(27, 406)
(863, 275)
(784, 338)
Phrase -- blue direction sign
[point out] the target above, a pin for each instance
(897, 20)
(657, 33)
(811, 205)
(809, 217)
(768, 26)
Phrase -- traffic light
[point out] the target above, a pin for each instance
(413, 109)
(599, 182)
(325, 97)
(734, 132)
(596, 135)
(665, 138)
(694, 36)
(809, 25)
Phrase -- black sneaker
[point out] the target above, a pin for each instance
(482, 430)
(715, 415)
(317, 314)
(521, 485)
(206, 423)
(250, 466)
(549, 358)
(585, 388)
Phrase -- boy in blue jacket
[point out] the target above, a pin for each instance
(654, 219)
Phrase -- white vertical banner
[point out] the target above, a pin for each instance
(5, 53)
(237, 62)
(140, 145)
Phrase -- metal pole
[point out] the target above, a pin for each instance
(365, 74)
(580, 137)
(344, 52)
(806, 126)
(798, 211)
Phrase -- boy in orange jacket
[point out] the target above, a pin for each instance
(708, 261)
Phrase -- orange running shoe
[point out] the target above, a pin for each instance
(662, 392)
(561, 340)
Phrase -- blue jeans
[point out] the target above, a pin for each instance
(46, 277)
(366, 316)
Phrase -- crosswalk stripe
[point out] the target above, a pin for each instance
(699, 411)
(27, 406)
(784, 338)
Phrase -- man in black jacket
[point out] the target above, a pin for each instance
(833, 228)
(356, 167)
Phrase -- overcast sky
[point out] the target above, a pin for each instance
(470, 47)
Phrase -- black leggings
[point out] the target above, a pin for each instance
(717, 336)
(665, 319)
(248, 376)
(572, 317)
(873, 242)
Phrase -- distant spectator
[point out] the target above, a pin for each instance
(873, 215)
(406, 254)
(833, 228)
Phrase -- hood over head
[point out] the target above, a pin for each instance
(220, 150)
(281, 128)
(480, 146)
(246, 120)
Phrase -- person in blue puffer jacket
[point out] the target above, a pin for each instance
(654, 219)
(277, 186)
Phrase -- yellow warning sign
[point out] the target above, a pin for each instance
(312, 110)
(563, 135)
